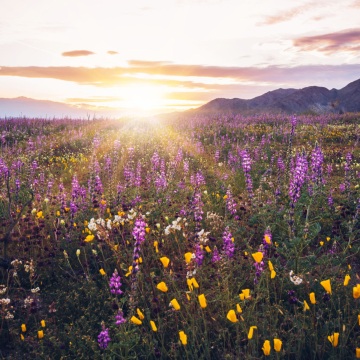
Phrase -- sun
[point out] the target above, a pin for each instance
(143, 98)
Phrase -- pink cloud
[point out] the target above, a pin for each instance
(77, 53)
(345, 41)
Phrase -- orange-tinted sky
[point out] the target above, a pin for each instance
(165, 55)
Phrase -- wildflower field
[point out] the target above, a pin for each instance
(204, 238)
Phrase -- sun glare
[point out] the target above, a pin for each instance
(143, 98)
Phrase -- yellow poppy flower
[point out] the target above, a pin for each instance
(188, 257)
(202, 301)
(238, 308)
(266, 347)
(232, 316)
(153, 326)
(135, 320)
(334, 339)
(306, 306)
(321, 243)
(140, 314)
(312, 298)
(190, 285)
(22, 337)
(272, 274)
(40, 334)
(183, 337)
(23, 327)
(271, 267)
(195, 283)
(147, 229)
(277, 345)
(162, 287)
(129, 272)
(156, 246)
(357, 353)
(39, 214)
(165, 261)
(356, 291)
(326, 285)
(258, 256)
(267, 239)
(174, 303)
(42, 323)
(346, 280)
(89, 238)
(245, 294)
(207, 249)
(102, 272)
(251, 332)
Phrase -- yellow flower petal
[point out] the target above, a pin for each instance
(334, 339)
(135, 320)
(188, 257)
(357, 353)
(312, 298)
(42, 323)
(195, 283)
(165, 261)
(258, 256)
(238, 308)
(346, 280)
(23, 327)
(326, 285)
(251, 332)
(356, 291)
(102, 272)
(183, 337)
(174, 303)
(232, 316)
(306, 306)
(153, 326)
(272, 274)
(266, 347)
(89, 238)
(140, 314)
(277, 345)
(271, 267)
(202, 301)
(162, 286)
(40, 334)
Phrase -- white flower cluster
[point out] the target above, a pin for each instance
(176, 225)
(28, 301)
(35, 290)
(3, 289)
(5, 301)
(203, 236)
(295, 279)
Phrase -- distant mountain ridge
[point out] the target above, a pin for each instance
(312, 99)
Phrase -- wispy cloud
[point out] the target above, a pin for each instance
(78, 53)
(111, 52)
(287, 15)
(345, 41)
(193, 77)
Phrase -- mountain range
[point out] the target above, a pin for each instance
(311, 100)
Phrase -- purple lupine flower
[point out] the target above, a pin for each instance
(186, 167)
(155, 160)
(317, 159)
(280, 164)
(115, 283)
(103, 337)
(119, 318)
(199, 255)
(197, 205)
(200, 180)
(330, 199)
(138, 175)
(215, 256)
(217, 155)
(139, 230)
(246, 165)
(298, 178)
(139, 236)
(230, 202)
(229, 247)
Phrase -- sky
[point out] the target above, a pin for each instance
(168, 55)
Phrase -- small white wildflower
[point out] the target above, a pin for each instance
(78, 252)
(35, 290)
(33, 211)
(108, 224)
(46, 200)
(5, 301)
(94, 252)
(2, 289)
(9, 315)
(295, 279)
